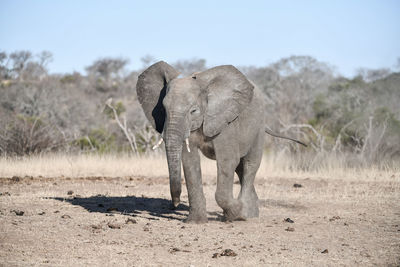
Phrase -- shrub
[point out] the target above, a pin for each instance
(28, 135)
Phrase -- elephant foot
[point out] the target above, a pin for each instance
(229, 217)
(174, 204)
(250, 205)
(235, 214)
(250, 208)
(196, 218)
(253, 211)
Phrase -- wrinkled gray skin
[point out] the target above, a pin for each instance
(221, 113)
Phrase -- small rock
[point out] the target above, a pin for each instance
(70, 192)
(229, 253)
(146, 229)
(15, 179)
(365, 254)
(66, 216)
(289, 229)
(5, 194)
(172, 250)
(57, 211)
(114, 225)
(96, 226)
(215, 255)
(334, 218)
(325, 251)
(18, 212)
(42, 213)
(297, 185)
(288, 220)
(130, 220)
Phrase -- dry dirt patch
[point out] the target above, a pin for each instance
(128, 221)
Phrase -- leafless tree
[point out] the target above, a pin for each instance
(187, 67)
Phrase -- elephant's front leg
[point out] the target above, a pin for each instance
(192, 172)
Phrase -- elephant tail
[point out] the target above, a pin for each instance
(270, 132)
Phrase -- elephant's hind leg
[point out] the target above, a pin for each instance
(246, 171)
(226, 165)
(233, 208)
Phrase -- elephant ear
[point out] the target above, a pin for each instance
(228, 94)
(151, 89)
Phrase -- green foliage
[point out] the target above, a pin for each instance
(145, 139)
(32, 122)
(68, 79)
(383, 114)
(321, 109)
(119, 108)
(98, 140)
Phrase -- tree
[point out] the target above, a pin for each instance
(19, 60)
(45, 57)
(107, 67)
(147, 60)
(187, 67)
(370, 75)
(106, 73)
(4, 70)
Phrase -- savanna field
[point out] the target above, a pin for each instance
(81, 186)
(92, 210)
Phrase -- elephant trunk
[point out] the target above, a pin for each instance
(173, 147)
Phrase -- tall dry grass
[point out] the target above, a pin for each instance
(62, 165)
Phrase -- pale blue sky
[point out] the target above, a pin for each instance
(347, 34)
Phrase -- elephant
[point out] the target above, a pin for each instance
(219, 112)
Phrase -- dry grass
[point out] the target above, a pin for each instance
(61, 165)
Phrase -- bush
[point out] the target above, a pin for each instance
(98, 140)
(28, 135)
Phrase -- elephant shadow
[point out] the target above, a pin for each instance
(129, 205)
(155, 207)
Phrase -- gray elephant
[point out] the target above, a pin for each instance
(220, 113)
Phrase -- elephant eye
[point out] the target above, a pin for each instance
(194, 110)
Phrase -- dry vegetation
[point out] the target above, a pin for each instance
(155, 165)
(356, 120)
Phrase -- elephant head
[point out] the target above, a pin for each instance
(208, 100)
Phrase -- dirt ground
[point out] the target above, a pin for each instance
(127, 222)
